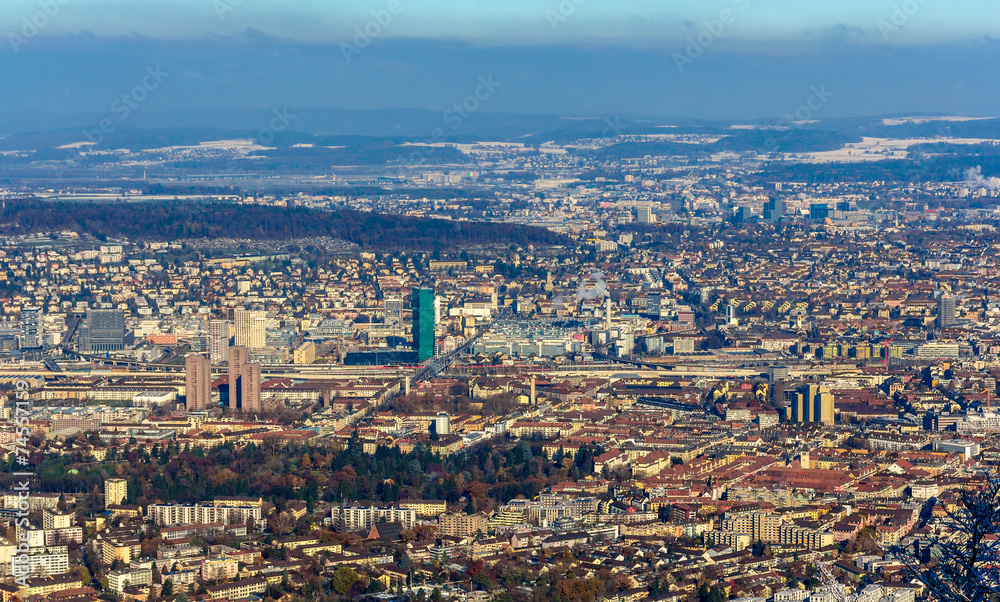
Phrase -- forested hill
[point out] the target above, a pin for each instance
(172, 220)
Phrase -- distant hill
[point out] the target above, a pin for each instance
(172, 220)
(154, 129)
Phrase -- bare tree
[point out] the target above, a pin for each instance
(964, 563)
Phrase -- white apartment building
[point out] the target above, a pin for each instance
(119, 580)
(169, 515)
(45, 563)
(54, 519)
(362, 518)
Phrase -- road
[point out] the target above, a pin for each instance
(441, 362)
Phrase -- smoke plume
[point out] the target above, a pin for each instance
(974, 177)
(599, 288)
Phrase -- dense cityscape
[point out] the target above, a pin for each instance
(499, 301)
(599, 370)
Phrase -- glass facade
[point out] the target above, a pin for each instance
(423, 322)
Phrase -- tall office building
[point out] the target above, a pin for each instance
(244, 381)
(250, 328)
(822, 404)
(423, 322)
(744, 215)
(102, 330)
(250, 401)
(442, 423)
(394, 308)
(198, 382)
(646, 215)
(819, 211)
(798, 407)
(774, 211)
(946, 311)
(115, 492)
(218, 341)
(654, 304)
(813, 403)
(32, 328)
(238, 357)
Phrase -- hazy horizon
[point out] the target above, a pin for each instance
(719, 60)
(522, 22)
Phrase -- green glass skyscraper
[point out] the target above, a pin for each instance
(423, 322)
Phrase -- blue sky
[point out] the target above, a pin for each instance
(622, 22)
(561, 57)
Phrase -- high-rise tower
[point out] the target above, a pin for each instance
(393, 308)
(238, 357)
(31, 328)
(218, 341)
(423, 322)
(946, 311)
(198, 377)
